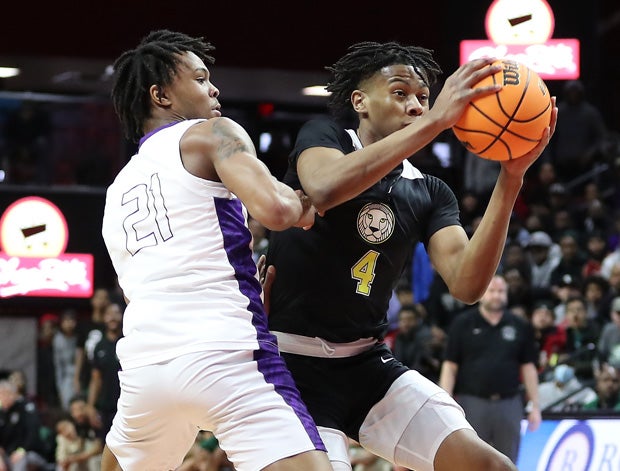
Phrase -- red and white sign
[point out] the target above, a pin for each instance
(33, 238)
(556, 59)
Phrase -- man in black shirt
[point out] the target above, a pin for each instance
(488, 351)
(104, 388)
(334, 281)
(21, 446)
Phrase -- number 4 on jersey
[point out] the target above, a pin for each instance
(364, 272)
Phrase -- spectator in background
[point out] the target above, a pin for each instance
(537, 188)
(609, 341)
(89, 432)
(69, 447)
(64, 351)
(559, 198)
(89, 334)
(564, 392)
(21, 447)
(607, 391)
(579, 134)
(536, 222)
(595, 289)
(47, 393)
(571, 262)
(104, 388)
(18, 378)
(581, 338)
(413, 344)
(566, 289)
(596, 251)
(488, 352)
(543, 256)
(470, 208)
(519, 290)
(595, 218)
(517, 233)
(611, 259)
(550, 338)
(562, 222)
(441, 306)
(514, 256)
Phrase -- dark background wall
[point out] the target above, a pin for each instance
(302, 35)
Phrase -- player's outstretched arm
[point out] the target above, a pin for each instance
(226, 146)
(467, 266)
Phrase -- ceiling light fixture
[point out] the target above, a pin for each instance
(316, 90)
(6, 72)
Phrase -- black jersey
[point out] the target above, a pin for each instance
(335, 280)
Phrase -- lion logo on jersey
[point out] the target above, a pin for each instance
(375, 223)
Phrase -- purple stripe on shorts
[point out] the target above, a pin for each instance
(237, 238)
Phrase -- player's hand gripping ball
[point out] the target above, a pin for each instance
(507, 124)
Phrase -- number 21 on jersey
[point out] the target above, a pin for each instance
(147, 223)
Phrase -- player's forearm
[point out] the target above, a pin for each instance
(347, 177)
(447, 377)
(484, 251)
(280, 209)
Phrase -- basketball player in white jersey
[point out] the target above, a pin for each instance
(196, 353)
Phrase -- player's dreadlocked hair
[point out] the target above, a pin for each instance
(366, 58)
(154, 61)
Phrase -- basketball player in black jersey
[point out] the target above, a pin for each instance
(333, 282)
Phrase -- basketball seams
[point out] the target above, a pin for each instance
(497, 97)
(480, 128)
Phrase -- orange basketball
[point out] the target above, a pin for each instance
(507, 124)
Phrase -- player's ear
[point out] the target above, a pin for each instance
(158, 95)
(357, 100)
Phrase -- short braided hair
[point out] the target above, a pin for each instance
(153, 62)
(364, 59)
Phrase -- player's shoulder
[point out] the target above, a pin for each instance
(211, 133)
(319, 128)
(321, 123)
(324, 132)
(435, 182)
(213, 126)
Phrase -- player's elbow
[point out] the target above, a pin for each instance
(278, 217)
(325, 197)
(466, 295)
(467, 289)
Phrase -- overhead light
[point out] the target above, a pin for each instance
(6, 72)
(315, 90)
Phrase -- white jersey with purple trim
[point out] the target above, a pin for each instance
(181, 249)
